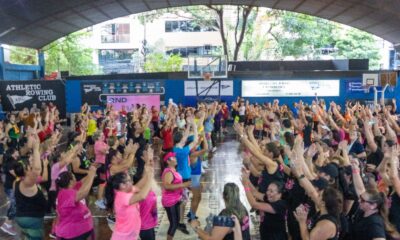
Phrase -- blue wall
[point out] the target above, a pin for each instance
(175, 90)
(21, 72)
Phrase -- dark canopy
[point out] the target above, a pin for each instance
(36, 23)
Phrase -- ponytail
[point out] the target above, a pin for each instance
(112, 185)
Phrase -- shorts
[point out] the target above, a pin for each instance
(196, 181)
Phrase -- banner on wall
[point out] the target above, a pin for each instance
(95, 92)
(290, 88)
(129, 101)
(354, 86)
(204, 86)
(17, 95)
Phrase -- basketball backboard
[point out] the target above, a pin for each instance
(216, 65)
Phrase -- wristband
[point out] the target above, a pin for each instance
(301, 177)
(247, 189)
(356, 171)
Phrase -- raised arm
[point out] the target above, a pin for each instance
(86, 184)
(270, 164)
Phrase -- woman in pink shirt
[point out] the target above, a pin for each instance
(74, 217)
(173, 186)
(148, 210)
(125, 198)
(100, 151)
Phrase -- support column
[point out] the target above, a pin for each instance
(2, 67)
(41, 62)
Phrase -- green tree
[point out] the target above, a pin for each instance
(159, 62)
(69, 54)
(356, 44)
(302, 36)
(20, 55)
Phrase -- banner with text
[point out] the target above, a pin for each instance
(290, 88)
(17, 95)
(129, 101)
(354, 86)
(209, 88)
(95, 93)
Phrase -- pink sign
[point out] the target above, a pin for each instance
(128, 100)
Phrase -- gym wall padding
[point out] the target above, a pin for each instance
(174, 88)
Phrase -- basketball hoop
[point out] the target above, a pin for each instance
(206, 76)
(367, 87)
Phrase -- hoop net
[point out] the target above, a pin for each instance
(367, 87)
(206, 76)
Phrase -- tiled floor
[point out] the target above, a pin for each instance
(225, 167)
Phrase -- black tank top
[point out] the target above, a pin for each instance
(267, 178)
(84, 165)
(332, 219)
(34, 206)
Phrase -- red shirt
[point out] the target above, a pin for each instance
(225, 112)
(154, 116)
(167, 137)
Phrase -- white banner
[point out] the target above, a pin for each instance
(203, 88)
(290, 88)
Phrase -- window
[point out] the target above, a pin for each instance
(108, 56)
(186, 51)
(115, 33)
(189, 26)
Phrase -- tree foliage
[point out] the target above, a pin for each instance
(159, 62)
(20, 55)
(69, 54)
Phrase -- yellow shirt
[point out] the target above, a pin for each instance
(92, 127)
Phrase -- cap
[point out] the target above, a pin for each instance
(320, 183)
(330, 169)
(169, 155)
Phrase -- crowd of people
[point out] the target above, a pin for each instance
(310, 171)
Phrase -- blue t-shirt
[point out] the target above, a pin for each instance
(196, 167)
(182, 157)
(209, 124)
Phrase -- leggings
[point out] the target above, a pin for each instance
(31, 227)
(173, 217)
(148, 234)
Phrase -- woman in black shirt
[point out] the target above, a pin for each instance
(273, 209)
(372, 222)
(30, 201)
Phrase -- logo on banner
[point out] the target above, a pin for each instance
(117, 100)
(314, 85)
(15, 99)
(91, 88)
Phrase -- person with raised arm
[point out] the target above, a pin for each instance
(29, 198)
(74, 218)
(182, 152)
(273, 208)
(125, 198)
(173, 186)
(372, 223)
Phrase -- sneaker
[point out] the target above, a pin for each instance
(214, 149)
(100, 204)
(9, 229)
(190, 217)
(204, 164)
(182, 228)
(52, 235)
(111, 219)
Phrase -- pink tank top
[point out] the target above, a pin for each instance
(171, 197)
